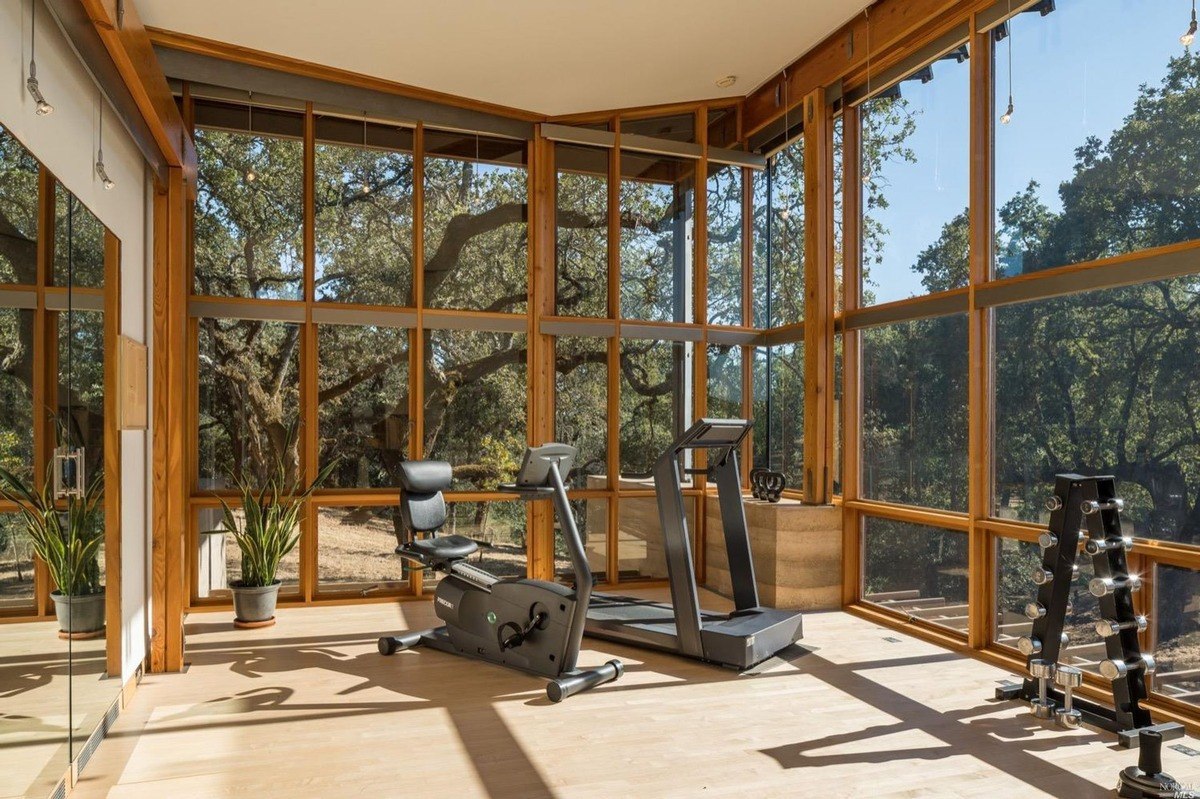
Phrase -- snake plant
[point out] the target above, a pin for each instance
(66, 538)
(269, 527)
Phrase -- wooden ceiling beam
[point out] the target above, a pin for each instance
(128, 44)
(893, 29)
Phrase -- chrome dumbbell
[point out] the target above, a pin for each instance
(1043, 672)
(1091, 506)
(1031, 645)
(1035, 610)
(1106, 628)
(1047, 540)
(1095, 546)
(1053, 503)
(1068, 679)
(1116, 669)
(1103, 586)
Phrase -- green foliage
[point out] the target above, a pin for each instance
(68, 539)
(269, 525)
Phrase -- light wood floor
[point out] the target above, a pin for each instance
(310, 709)
(50, 698)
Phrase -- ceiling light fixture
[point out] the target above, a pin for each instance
(1007, 116)
(101, 172)
(726, 81)
(864, 164)
(1189, 37)
(251, 175)
(366, 186)
(43, 108)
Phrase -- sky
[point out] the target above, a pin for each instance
(1075, 73)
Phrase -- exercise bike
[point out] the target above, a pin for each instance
(529, 625)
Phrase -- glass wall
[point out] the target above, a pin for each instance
(657, 210)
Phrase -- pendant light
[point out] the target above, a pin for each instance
(251, 175)
(366, 186)
(1006, 117)
(101, 172)
(1190, 36)
(43, 108)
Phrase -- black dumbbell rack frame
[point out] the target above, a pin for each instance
(1127, 716)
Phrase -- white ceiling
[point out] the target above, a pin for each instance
(547, 56)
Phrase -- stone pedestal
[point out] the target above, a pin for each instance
(797, 553)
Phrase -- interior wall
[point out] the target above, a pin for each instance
(65, 142)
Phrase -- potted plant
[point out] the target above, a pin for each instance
(67, 539)
(267, 530)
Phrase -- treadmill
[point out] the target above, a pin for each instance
(741, 638)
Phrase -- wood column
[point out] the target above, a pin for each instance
(169, 462)
(818, 299)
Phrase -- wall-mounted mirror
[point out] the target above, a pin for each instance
(59, 520)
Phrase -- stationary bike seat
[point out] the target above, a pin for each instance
(443, 548)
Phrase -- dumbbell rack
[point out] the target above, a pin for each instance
(1077, 501)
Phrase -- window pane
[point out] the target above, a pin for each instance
(581, 231)
(219, 561)
(475, 405)
(499, 527)
(839, 219)
(78, 242)
(759, 379)
(760, 184)
(914, 437)
(1091, 163)
(1015, 562)
(724, 382)
(476, 210)
(249, 388)
(916, 570)
(724, 193)
(581, 407)
(16, 563)
(248, 238)
(915, 164)
(679, 127)
(16, 391)
(364, 217)
(81, 385)
(18, 211)
(363, 384)
(1177, 631)
(591, 517)
(356, 549)
(657, 207)
(656, 403)
(787, 236)
(640, 551)
(1103, 383)
(785, 414)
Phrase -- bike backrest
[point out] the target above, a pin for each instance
(422, 507)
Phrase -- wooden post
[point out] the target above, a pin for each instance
(980, 554)
(851, 361)
(170, 489)
(818, 299)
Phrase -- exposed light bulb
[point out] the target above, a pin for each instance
(785, 214)
(366, 188)
(1189, 37)
(1007, 116)
(251, 175)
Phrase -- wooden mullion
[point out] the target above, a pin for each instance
(851, 354)
(112, 453)
(309, 355)
(614, 352)
(818, 298)
(540, 383)
(417, 336)
(43, 345)
(700, 316)
(981, 553)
